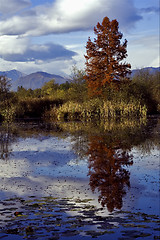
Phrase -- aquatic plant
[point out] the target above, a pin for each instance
(50, 220)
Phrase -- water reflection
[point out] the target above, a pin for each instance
(107, 162)
(109, 154)
(107, 148)
(7, 137)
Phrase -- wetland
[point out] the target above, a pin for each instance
(78, 180)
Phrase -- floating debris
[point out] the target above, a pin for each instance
(53, 218)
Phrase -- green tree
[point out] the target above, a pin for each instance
(6, 99)
(65, 86)
(4, 93)
(49, 88)
(37, 93)
(78, 90)
(146, 85)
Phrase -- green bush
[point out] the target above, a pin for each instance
(146, 87)
(35, 107)
(7, 100)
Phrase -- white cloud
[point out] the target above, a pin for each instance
(12, 6)
(69, 15)
(60, 67)
(68, 23)
(13, 45)
(143, 51)
(145, 38)
(155, 62)
(18, 25)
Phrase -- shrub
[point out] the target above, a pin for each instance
(146, 87)
(35, 107)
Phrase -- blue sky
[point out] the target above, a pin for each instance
(51, 35)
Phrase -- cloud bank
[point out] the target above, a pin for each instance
(24, 22)
(17, 49)
(20, 21)
(64, 16)
(12, 6)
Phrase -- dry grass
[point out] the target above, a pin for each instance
(96, 109)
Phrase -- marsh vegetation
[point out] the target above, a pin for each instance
(69, 101)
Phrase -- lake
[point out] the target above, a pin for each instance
(74, 180)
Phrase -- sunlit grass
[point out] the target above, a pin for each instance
(96, 109)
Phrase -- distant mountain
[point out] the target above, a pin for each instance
(150, 69)
(37, 80)
(33, 80)
(12, 74)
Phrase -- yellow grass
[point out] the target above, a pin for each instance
(96, 109)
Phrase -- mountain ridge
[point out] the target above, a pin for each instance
(150, 69)
(38, 79)
(12, 74)
(32, 80)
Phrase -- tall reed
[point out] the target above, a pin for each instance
(96, 109)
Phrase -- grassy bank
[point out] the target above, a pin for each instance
(70, 101)
(96, 109)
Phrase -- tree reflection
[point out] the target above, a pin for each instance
(108, 146)
(107, 162)
(7, 136)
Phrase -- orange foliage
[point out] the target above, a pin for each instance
(107, 172)
(104, 56)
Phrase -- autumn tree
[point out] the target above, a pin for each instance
(105, 57)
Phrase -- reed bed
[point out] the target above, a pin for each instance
(96, 109)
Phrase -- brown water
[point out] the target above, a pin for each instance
(80, 180)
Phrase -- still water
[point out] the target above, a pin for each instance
(77, 180)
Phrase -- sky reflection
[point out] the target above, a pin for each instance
(117, 170)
